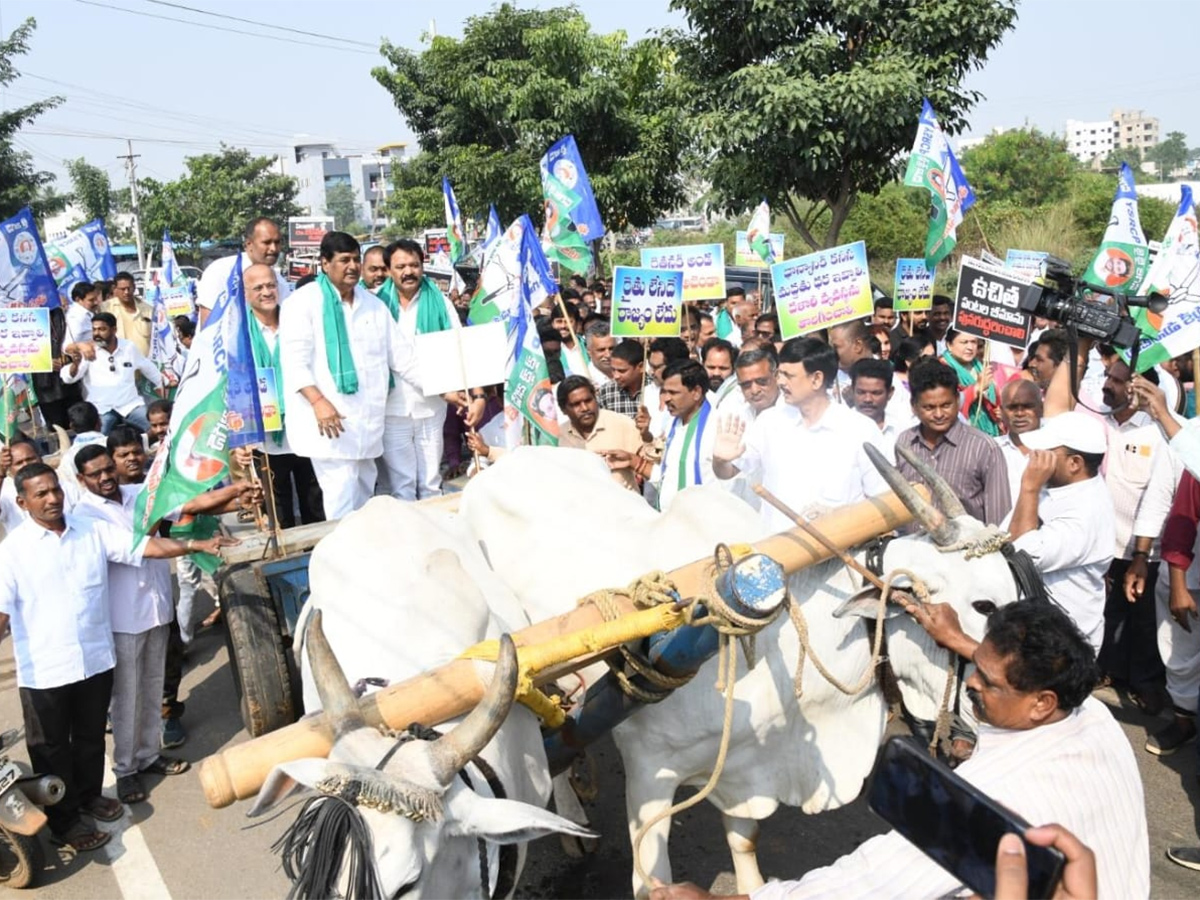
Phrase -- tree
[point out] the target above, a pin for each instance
(1170, 155)
(92, 190)
(1118, 155)
(1024, 168)
(818, 99)
(339, 203)
(485, 108)
(20, 183)
(415, 203)
(220, 193)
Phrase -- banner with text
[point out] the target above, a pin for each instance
(646, 302)
(913, 288)
(25, 340)
(1025, 262)
(744, 255)
(703, 267)
(987, 303)
(822, 289)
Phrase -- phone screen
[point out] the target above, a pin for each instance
(952, 821)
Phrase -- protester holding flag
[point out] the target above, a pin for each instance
(261, 243)
(976, 384)
(338, 344)
(412, 433)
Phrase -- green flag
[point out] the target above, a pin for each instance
(561, 241)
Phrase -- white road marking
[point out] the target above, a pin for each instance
(133, 865)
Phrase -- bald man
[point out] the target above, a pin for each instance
(1021, 412)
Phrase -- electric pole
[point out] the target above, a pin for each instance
(131, 170)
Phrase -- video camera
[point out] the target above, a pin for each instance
(1089, 309)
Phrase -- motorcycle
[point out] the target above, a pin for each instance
(21, 818)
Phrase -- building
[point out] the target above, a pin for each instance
(1134, 129)
(1087, 141)
(1125, 129)
(317, 166)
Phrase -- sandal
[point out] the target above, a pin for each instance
(130, 790)
(83, 839)
(105, 809)
(168, 765)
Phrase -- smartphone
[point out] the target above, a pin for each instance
(953, 822)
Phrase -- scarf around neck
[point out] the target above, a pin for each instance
(264, 359)
(338, 354)
(431, 306)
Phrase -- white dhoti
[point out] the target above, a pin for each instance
(1180, 650)
(412, 454)
(346, 484)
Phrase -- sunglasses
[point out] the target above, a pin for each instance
(112, 363)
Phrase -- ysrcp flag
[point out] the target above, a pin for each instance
(85, 254)
(170, 268)
(1124, 257)
(758, 233)
(563, 161)
(528, 392)
(25, 276)
(454, 227)
(165, 351)
(932, 165)
(216, 408)
(499, 272)
(1175, 275)
(493, 227)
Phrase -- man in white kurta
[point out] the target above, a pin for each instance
(341, 431)
(261, 245)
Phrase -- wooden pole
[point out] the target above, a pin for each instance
(456, 687)
(272, 509)
(987, 361)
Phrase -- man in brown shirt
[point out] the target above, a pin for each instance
(612, 435)
(133, 316)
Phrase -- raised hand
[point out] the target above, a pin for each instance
(729, 446)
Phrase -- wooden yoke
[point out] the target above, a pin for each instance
(455, 688)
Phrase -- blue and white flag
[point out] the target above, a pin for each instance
(165, 350)
(241, 391)
(563, 161)
(25, 276)
(169, 266)
(454, 226)
(494, 228)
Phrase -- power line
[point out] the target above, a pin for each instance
(205, 12)
(255, 34)
(141, 140)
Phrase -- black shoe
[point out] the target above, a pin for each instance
(1171, 738)
(1188, 857)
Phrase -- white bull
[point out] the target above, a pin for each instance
(555, 527)
(396, 592)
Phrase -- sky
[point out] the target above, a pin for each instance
(180, 88)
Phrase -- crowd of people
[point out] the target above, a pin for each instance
(1099, 485)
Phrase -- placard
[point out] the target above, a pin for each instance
(25, 340)
(822, 289)
(703, 267)
(913, 288)
(743, 255)
(179, 298)
(987, 303)
(268, 399)
(476, 354)
(647, 302)
(1026, 262)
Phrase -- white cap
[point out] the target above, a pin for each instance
(1076, 430)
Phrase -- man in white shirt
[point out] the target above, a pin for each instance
(850, 341)
(54, 594)
(871, 390)
(141, 609)
(412, 433)
(600, 344)
(261, 245)
(808, 426)
(687, 458)
(1046, 750)
(756, 376)
(1063, 517)
(110, 380)
(717, 358)
(339, 348)
(14, 457)
(1020, 411)
(662, 352)
(85, 302)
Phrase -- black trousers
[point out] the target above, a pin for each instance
(1130, 650)
(289, 473)
(64, 731)
(172, 707)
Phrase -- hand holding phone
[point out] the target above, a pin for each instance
(1012, 873)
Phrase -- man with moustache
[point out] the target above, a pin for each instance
(261, 245)
(374, 269)
(717, 358)
(602, 431)
(1020, 412)
(687, 458)
(600, 345)
(871, 390)
(109, 379)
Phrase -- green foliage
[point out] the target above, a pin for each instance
(217, 196)
(1025, 168)
(1119, 155)
(1170, 154)
(416, 201)
(486, 107)
(893, 224)
(20, 183)
(339, 203)
(818, 99)
(92, 190)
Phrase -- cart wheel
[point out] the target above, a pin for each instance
(258, 659)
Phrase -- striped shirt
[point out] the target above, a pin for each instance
(970, 462)
(1079, 772)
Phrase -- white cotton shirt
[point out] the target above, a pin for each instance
(1073, 548)
(79, 324)
(660, 418)
(377, 346)
(887, 434)
(1141, 478)
(666, 473)
(110, 380)
(139, 596)
(54, 588)
(12, 515)
(1015, 462)
(405, 400)
(214, 281)
(819, 466)
(1079, 772)
(1186, 446)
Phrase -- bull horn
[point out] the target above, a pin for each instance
(337, 700)
(943, 531)
(943, 494)
(458, 747)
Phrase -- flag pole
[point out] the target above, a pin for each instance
(987, 361)
(269, 501)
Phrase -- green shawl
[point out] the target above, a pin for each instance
(267, 359)
(338, 354)
(431, 305)
(974, 410)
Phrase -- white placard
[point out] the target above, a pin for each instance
(479, 353)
